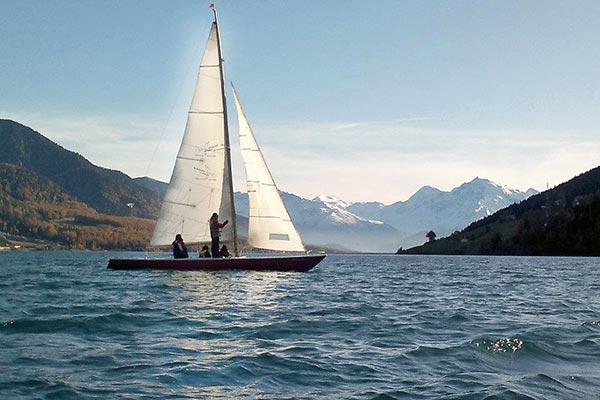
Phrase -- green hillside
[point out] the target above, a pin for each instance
(105, 190)
(562, 221)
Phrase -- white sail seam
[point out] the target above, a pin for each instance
(180, 204)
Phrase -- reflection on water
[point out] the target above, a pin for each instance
(230, 288)
(221, 320)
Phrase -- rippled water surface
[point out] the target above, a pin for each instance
(360, 327)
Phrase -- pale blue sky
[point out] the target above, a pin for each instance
(362, 100)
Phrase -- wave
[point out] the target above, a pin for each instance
(114, 323)
(501, 345)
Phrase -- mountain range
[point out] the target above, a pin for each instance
(441, 211)
(52, 194)
(376, 227)
(564, 220)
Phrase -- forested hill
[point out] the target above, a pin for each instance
(564, 220)
(36, 212)
(107, 191)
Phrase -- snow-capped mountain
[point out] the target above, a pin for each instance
(339, 211)
(327, 221)
(445, 212)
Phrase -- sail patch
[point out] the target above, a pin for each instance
(279, 236)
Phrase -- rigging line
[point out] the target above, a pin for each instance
(164, 129)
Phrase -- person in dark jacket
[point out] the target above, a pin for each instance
(224, 252)
(204, 253)
(179, 249)
(215, 234)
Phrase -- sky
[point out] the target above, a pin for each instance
(366, 101)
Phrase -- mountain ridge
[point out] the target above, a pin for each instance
(105, 190)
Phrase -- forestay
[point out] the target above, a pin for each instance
(197, 184)
(269, 224)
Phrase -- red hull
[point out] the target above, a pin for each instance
(292, 263)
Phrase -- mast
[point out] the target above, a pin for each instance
(227, 145)
(199, 179)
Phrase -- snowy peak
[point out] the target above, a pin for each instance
(478, 184)
(338, 211)
(490, 191)
(478, 180)
(424, 194)
(332, 201)
(483, 197)
(486, 185)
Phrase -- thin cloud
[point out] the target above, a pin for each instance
(382, 161)
(357, 161)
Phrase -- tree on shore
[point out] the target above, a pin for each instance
(431, 236)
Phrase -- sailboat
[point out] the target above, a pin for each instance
(201, 184)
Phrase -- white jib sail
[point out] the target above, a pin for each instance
(196, 187)
(269, 224)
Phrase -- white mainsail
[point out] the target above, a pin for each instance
(201, 180)
(269, 224)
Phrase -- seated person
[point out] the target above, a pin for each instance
(204, 253)
(179, 249)
(224, 252)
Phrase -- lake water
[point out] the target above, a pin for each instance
(361, 327)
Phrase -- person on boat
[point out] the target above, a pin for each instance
(224, 252)
(215, 234)
(179, 249)
(204, 253)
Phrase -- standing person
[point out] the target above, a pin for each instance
(179, 249)
(215, 234)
